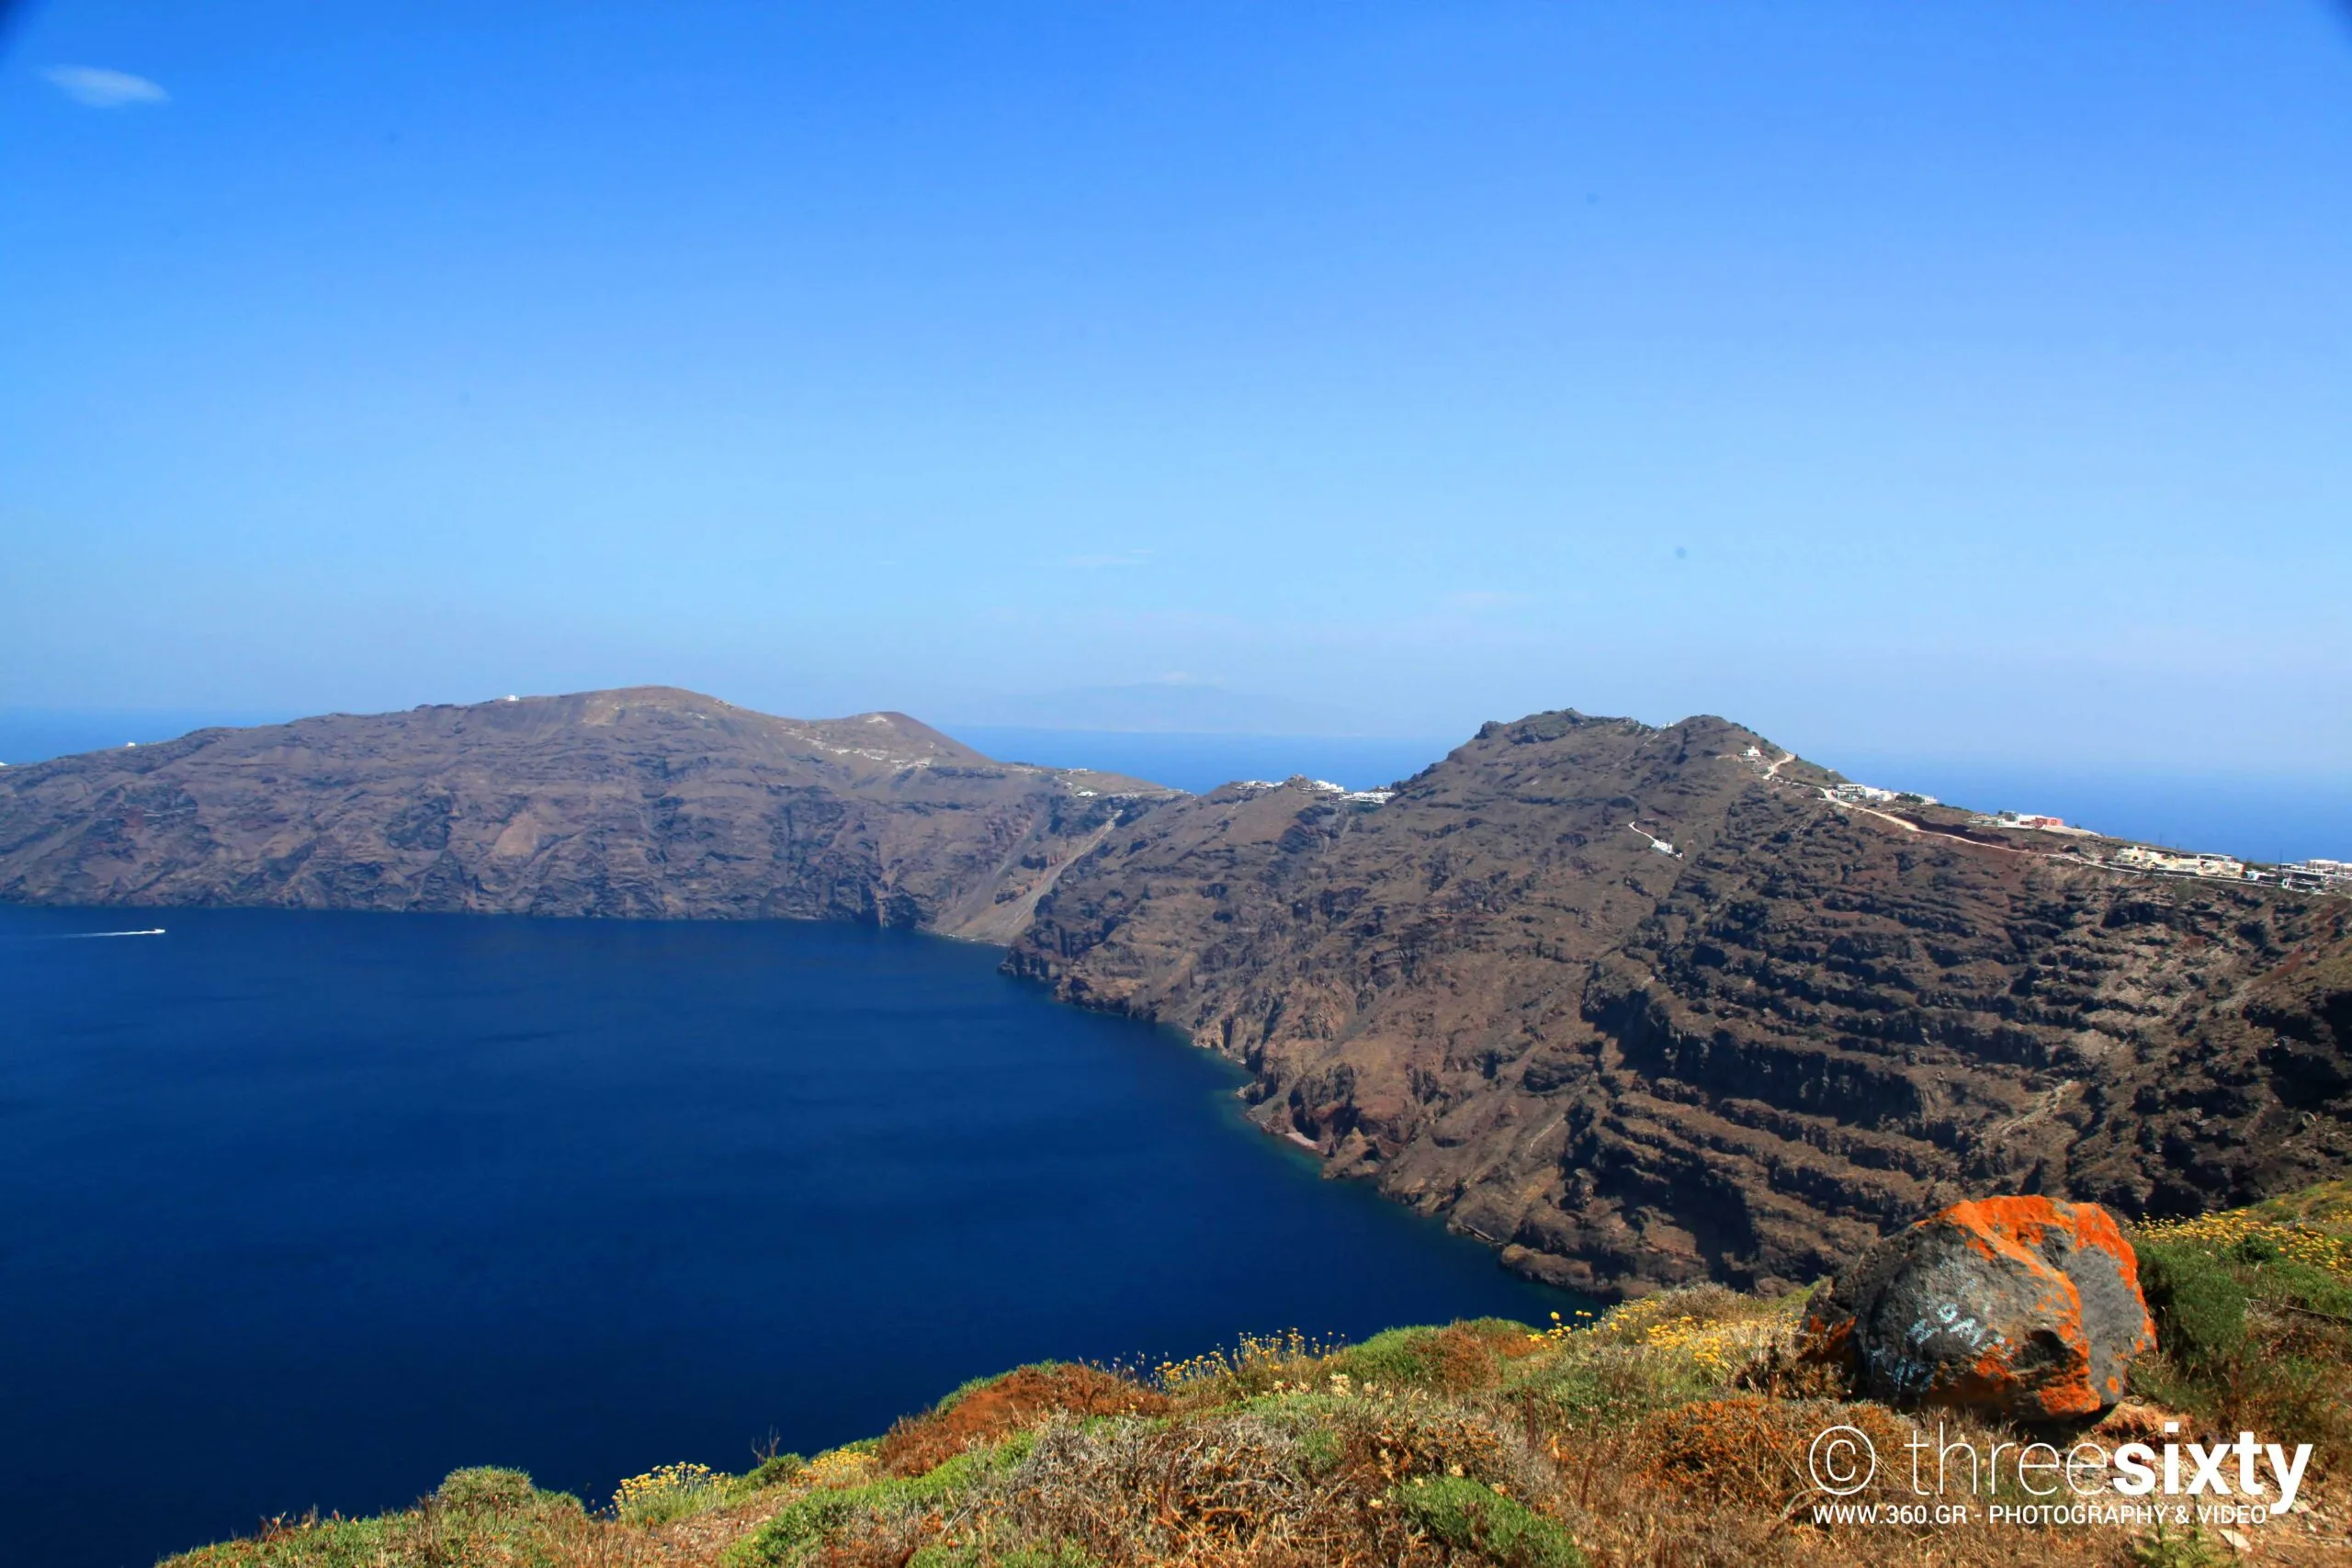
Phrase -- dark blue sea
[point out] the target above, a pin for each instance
(305, 1209)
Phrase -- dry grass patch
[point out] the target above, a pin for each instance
(1747, 1451)
(992, 1410)
(1293, 1481)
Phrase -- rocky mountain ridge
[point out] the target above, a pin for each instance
(645, 802)
(1641, 1005)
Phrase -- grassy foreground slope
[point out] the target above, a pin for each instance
(1671, 1430)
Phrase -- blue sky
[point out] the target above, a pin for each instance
(1942, 379)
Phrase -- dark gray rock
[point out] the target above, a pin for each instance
(2018, 1306)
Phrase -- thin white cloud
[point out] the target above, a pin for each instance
(94, 86)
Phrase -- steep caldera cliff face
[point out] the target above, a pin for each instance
(644, 802)
(1747, 1058)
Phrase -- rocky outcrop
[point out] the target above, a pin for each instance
(2018, 1307)
(1745, 1057)
(646, 802)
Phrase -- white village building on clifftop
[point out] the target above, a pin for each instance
(2140, 857)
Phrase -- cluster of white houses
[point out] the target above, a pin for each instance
(2140, 857)
(2316, 876)
(1870, 795)
(2038, 823)
(2313, 876)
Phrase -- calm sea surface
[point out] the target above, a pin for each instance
(305, 1209)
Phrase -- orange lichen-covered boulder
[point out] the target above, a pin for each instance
(2019, 1306)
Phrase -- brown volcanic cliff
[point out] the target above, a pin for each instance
(644, 802)
(1495, 998)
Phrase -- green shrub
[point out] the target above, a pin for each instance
(308, 1543)
(1398, 1357)
(1471, 1517)
(1060, 1554)
(2169, 1547)
(776, 1470)
(2294, 1284)
(804, 1522)
(2198, 1303)
(1459, 1356)
(487, 1490)
(952, 1476)
(2253, 1324)
(1319, 1450)
(1611, 1384)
